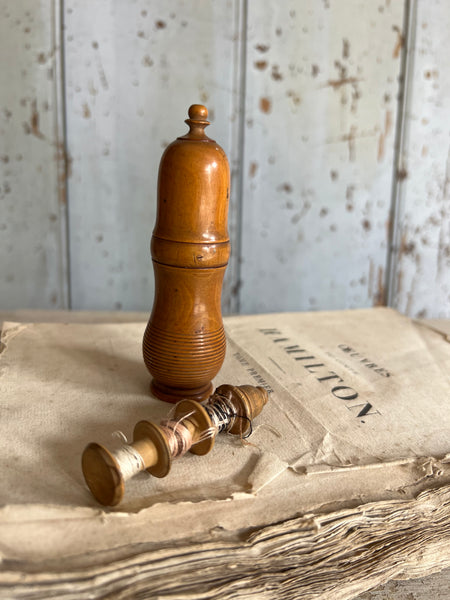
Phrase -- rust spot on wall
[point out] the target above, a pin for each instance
(384, 134)
(367, 225)
(160, 24)
(41, 58)
(334, 175)
(323, 212)
(345, 48)
(261, 64)
(34, 121)
(399, 43)
(380, 296)
(262, 47)
(314, 70)
(253, 169)
(86, 111)
(350, 139)
(285, 187)
(296, 99)
(265, 105)
(343, 78)
(337, 83)
(236, 287)
(424, 151)
(64, 162)
(401, 174)
(433, 220)
(431, 74)
(147, 61)
(399, 282)
(407, 248)
(276, 75)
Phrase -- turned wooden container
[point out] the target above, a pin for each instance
(184, 342)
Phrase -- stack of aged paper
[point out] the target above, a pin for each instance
(343, 485)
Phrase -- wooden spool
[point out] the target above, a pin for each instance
(184, 342)
(102, 469)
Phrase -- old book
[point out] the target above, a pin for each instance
(344, 483)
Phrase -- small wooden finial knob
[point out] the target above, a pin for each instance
(198, 120)
(198, 112)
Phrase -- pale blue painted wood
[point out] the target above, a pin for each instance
(321, 105)
(420, 282)
(312, 165)
(132, 70)
(33, 266)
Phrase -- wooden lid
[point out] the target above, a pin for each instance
(193, 187)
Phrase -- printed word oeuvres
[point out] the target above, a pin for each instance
(338, 388)
(365, 361)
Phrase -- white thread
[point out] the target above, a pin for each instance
(130, 461)
(222, 412)
(120, 435)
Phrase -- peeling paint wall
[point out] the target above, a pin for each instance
(33, 252)
(339, 191)
(420, 278)
(321, 106)
(129, 83)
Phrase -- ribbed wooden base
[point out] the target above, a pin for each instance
(171, 394)
(183, 366)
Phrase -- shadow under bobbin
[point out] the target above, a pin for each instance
(154, 447)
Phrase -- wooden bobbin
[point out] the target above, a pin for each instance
(103, 473)
(249, 402)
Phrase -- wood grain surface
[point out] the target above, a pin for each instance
(332, 113)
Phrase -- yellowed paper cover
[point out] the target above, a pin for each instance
(351, 454)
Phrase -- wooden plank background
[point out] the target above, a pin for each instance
(333, 115)
(33, 243)
(420, 282)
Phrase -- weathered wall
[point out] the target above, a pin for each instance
(33, 251)
(340, 184)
